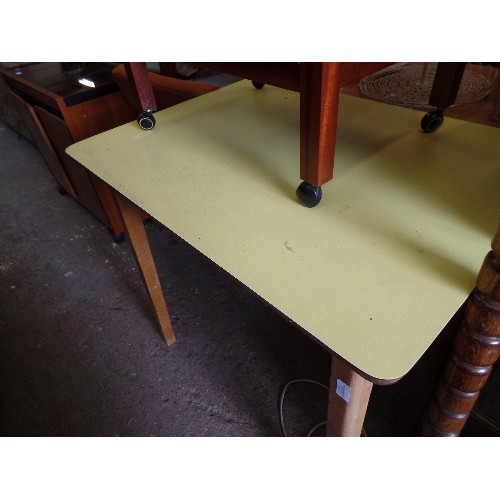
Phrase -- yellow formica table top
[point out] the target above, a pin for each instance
(377, 269)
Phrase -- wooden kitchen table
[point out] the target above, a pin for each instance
(373, 273)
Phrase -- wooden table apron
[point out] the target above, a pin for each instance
(375, 271)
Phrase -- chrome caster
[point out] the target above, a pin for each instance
(432, 121)
(146, 120)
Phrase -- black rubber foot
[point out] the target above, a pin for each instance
(146, 120)
(62, 191)
(432, 121)
(257, 85)
(309, 195)
(119, 238)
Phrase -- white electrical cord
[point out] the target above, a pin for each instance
(282, 397)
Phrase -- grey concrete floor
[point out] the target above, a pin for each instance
(81, 355)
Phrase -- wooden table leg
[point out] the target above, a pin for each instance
(348, 401)
(134, 223)
(475, 351)
(105, 193)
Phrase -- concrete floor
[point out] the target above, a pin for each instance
(81, 355)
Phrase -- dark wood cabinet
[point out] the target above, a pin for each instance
(63, 103)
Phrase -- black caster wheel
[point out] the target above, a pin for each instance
(119, 238)
(308, 194)
(146, 120)
(257, 85)
(62, 191)
(432, 121)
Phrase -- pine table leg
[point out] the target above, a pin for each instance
(348, 401)
(134, 223)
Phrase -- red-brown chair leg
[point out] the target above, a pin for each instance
(443, 93)
(138, 75)
(446, 84)
(319, 102)
(475, 351)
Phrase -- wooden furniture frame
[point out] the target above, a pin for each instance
(54, 125)
(476, 350)
(346, 411)
(319, 86)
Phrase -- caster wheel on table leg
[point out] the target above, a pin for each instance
(308, 194)
(432, 121)
(146, 120)
(257, 85)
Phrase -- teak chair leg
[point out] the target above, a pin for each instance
(134, 223)
(138, 74)
(476, 349)
(348, 401)
(319, 102)
(446, 84)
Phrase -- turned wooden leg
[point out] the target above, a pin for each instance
(348, 401)
(133, 218)
(475, 351)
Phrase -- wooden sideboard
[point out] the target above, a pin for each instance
(63, 103)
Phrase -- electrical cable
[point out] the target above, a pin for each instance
(317, 426)
(282, 397)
